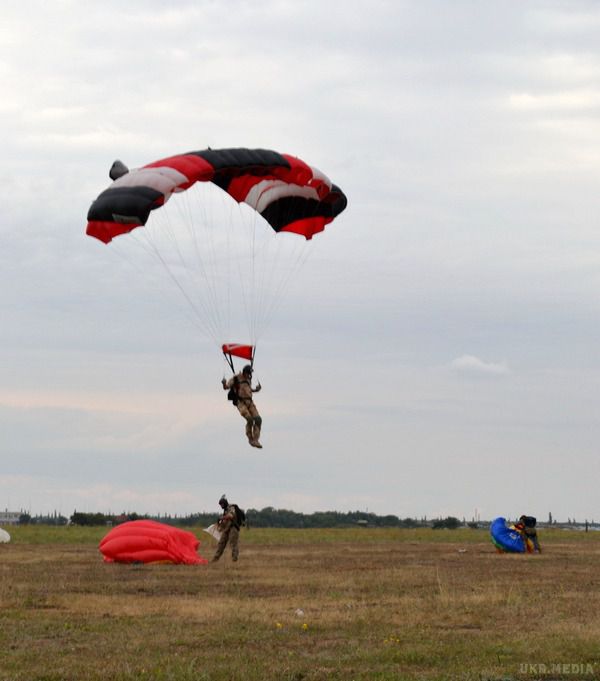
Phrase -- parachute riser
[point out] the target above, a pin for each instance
(229, 360)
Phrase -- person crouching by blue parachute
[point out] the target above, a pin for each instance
(518, 537)
(526, 528)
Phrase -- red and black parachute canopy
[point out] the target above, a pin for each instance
(289, 194)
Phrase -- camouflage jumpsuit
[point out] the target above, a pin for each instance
(246, 406)
(230, 532)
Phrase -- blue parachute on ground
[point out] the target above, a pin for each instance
(505, 538)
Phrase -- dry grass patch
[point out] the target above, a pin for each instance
(374, 605)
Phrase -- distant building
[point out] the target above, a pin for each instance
(9, 517)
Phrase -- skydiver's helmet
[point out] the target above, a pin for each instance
(528, 521)
(223, 503)
(247, 370)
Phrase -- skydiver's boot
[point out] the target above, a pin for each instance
(257, 427)
(250, 431)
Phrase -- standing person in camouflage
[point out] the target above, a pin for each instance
(241, 387)
(229, 526)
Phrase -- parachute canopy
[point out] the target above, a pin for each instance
(221, 237)
(505, 538)
(147, 541)
(289, 194)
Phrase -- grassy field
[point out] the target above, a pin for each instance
(303, 605)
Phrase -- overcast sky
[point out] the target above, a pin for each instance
(438, 352)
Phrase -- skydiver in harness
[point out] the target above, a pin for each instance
(240, 387)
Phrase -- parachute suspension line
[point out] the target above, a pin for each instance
(241, 282)
(259, 287)
(214, 234)
(197, 278)
(187, 224)
(246, 279)
(226, 274)
(274, 273)
(297, 262)
(207, 264)
(262, 241)
(236, 221)
(163, 228)
(255, 291)
(228, 223)
(275, 279)
(222, 226)
(208, 326)
(146, 245)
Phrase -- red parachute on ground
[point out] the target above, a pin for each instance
(147, 541)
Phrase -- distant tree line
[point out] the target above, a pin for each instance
(47, 519)
(274, 517)
(266, 517)
(450, 523)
